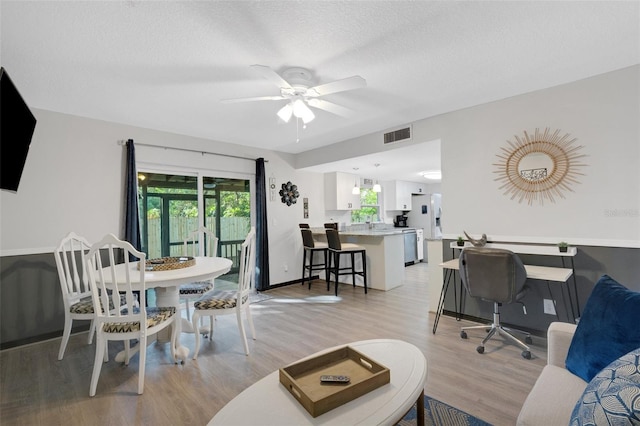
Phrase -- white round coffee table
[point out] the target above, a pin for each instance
(267, 402)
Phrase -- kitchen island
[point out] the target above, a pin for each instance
(385, 255)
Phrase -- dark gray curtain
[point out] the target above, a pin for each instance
(131, 217)
(262, 238)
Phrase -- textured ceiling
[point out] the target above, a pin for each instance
(167, 65)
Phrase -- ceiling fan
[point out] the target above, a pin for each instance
(294, 85)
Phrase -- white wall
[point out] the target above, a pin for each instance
(601, 112)
(74, 181)
(603, 209)
(285, 241)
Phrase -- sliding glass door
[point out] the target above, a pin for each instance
(170, 210)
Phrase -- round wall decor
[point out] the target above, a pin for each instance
(539, 167)
(289, 193)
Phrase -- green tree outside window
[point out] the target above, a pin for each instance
(370, 209)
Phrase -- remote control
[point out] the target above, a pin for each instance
(334, 379)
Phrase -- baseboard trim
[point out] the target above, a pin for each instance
(299, 281)
(41, 338)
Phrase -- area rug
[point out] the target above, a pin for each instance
(438, 413)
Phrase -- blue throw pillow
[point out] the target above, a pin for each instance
(613, 396)
(609, 328)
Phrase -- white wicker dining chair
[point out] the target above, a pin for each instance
(125, 322)
(219, 302)
(200, 242)
(76, 292)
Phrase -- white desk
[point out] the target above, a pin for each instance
(267, 402)
(540, 250)
(534, 272)
(167, 284)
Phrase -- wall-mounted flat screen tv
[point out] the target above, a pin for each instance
(17, 124)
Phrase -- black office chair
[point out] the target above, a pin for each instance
(497, 276)
(311, 247)
(336, 250)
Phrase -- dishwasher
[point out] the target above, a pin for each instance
(410, 246)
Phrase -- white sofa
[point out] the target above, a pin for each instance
(557, 390)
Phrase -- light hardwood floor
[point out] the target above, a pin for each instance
(37, 389)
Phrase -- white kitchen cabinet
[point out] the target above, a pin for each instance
(397, 195)
(338, 191)
(416, 187)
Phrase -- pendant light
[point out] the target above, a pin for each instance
(356, 187)
(377, 187)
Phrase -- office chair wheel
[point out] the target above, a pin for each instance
(463, 334)
(480, 349)
(528, 340)
(526, 354)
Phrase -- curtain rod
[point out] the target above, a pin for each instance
(123, 142)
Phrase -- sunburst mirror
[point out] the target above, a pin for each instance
(539, 167)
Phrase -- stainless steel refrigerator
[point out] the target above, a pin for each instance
(426, 213)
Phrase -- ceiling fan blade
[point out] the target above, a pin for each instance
(257, 98)
(272, 76)
(330, 107)
(349, 83)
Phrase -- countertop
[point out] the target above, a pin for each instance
(375, 232)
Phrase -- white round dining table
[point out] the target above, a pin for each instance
(167, 286)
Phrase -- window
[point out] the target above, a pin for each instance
(369, 209)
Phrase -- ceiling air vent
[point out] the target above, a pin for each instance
(398, 135)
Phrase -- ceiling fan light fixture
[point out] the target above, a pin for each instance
(294, 87)
(301, 110)
(285, 113)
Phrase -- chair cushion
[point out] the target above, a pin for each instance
(607, 329)
(199, 287)
(220, 299)
(612, 397)
(351, 247)
(154, 317)
(85, 306)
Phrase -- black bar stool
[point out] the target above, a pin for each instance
(312, 247)
(336, 250)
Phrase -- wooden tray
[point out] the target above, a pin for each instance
(168, 263)
(302, 379)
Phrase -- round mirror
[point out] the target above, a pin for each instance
(538, 167)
